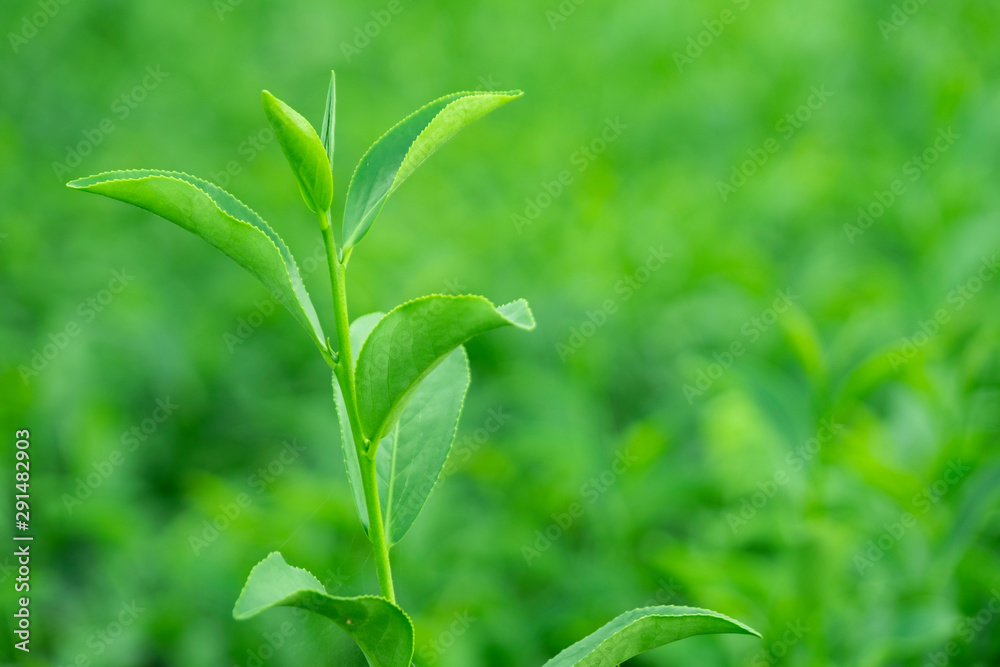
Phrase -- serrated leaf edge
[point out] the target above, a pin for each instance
(246, 585)
(321, 590)
(513, 94)
(164, 173)
(509, 94)
(696, 611)
(447, 296)
(701, 612)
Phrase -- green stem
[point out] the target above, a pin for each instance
(375, 528)
(343, 369)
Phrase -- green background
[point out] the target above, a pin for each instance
(735, 497)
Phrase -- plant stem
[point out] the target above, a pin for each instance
(343, 369)
(376, 530)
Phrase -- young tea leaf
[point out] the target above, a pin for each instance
(410, 459)
(641, 630)
(411, 341)
(395, 156)
(381, 629)
(219, 218)
(304, 151)
(326, 135)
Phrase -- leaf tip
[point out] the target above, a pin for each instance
(518, 312)
(271, 104)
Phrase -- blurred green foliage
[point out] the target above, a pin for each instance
(827, 473)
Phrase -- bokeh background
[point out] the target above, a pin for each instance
(806, 396)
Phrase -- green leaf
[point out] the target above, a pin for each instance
(304, 151)
(410, 459)
(382, 630)
(219, 218)
(411, 341)
(395, 156)
(641, 630)
(330, 118)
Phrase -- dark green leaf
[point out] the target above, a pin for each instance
(226, 223)
(381, 629)
(395, 156)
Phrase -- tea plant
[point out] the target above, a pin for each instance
(399, 379)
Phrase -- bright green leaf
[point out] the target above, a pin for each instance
(413, 455)
(304, 151)
(641, 630)
(330, 119)
(226, 223)
(411, 341)
(381, 629)
(395, 156)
